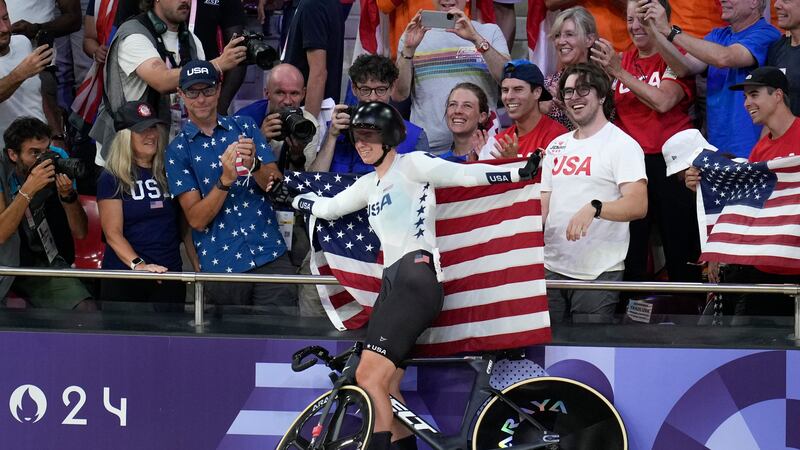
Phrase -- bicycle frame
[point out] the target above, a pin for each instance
(346, 377)
(481, 392)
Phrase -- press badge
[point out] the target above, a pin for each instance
(47, 240)
(286, 226)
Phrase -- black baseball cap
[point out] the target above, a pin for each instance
(524, 70)
(764, 76)
(197, 72)
(136, 116)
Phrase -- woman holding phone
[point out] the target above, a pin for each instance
(469, 51)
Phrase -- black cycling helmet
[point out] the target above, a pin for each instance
(382, 117)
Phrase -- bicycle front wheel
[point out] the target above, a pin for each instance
(350, 421)
(580, 415)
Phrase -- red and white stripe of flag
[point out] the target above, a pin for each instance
(490, 243)
(768, 236)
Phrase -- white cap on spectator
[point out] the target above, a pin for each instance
(679, 149)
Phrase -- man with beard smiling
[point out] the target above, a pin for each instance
(143, 64)
(521, 90)
(593, 184)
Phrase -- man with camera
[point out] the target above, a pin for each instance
(293, 133)
(220, 169)
(143, 63)
(373, 78)
(20, 65)
(43, 208)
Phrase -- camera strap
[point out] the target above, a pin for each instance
(184, 46)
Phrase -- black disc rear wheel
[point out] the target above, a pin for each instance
(580, 415)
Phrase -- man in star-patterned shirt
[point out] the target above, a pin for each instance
(219, 168)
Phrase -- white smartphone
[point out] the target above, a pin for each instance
(438, 19)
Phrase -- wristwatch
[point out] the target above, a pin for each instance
(72, 197)
(221, 186)
(482, 46)
(256, 165)
(598, 207)
(676, 30)
(135, 262)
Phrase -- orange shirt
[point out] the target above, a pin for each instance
(695, 17)
(400, 14)
(611, 23)
(773, 16)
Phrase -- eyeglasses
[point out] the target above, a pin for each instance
(582, 91)
(194, 93)
(367, 91)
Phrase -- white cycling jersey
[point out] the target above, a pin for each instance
(401, 204)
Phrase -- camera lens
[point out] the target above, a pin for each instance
(296, 125)
(71, 167)
(303, 130)
(266, 57)
(450, 16)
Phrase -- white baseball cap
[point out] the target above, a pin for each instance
(680, 148)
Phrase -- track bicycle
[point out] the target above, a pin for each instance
(535, 413)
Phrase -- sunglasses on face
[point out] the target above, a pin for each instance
(194, 93)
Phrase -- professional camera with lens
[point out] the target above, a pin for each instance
(295, 125)
(258, 51)
(72, 167)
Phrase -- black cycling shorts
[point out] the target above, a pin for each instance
(410, 299)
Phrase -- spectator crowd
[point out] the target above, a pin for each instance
(134, 104)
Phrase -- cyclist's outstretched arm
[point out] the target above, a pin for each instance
(349, 200)
(443, 173)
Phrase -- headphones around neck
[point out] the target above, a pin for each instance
(160, 26)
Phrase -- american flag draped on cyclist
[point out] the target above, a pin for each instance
(490, 241)
(749, 213)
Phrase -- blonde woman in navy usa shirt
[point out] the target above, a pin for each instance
(137, 213)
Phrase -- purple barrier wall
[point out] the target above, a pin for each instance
(90, 391)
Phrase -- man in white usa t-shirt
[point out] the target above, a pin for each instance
(593, 184)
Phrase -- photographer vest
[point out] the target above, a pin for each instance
(113, 96)
(9, 250)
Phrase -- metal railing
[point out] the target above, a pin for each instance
(199, 278)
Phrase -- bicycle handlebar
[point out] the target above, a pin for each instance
(319, 352)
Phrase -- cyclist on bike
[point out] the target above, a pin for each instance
(401, 202)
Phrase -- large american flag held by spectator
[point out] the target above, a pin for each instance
(490, 242)
(749, 213)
